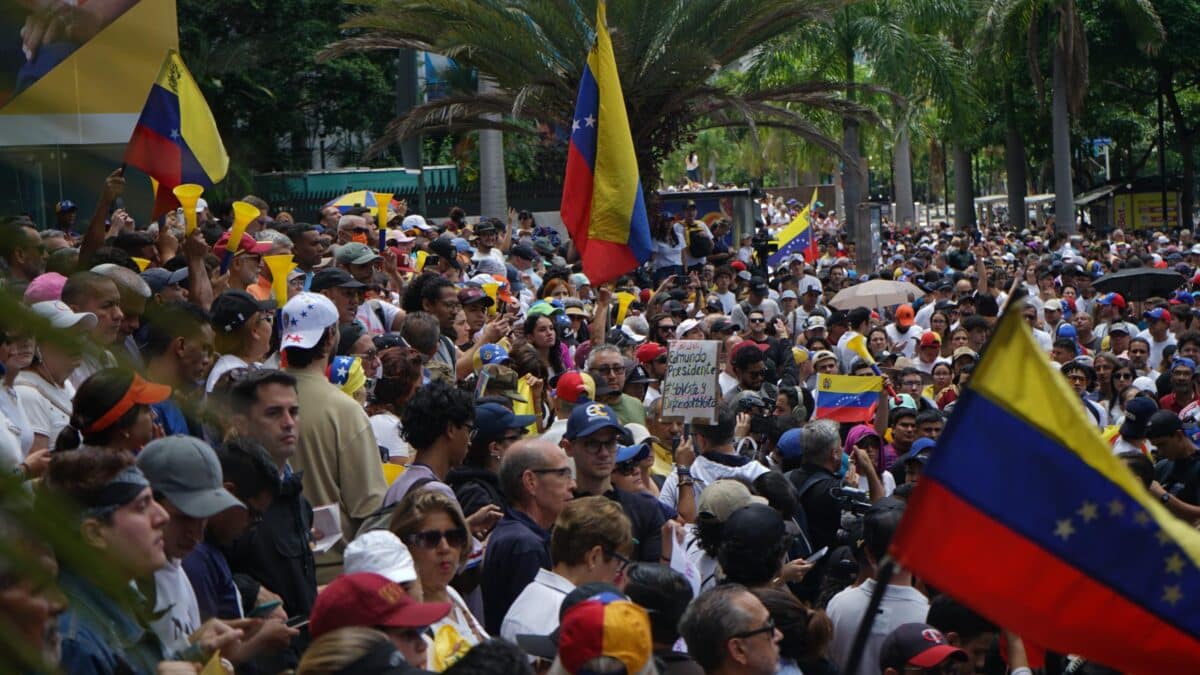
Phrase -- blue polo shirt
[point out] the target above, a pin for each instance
(516, 550)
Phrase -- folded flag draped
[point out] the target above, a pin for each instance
(176, 140)
(1067, 548)
(847, 398)
(602, 203)
(798, 238)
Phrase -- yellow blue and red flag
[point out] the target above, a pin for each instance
(847, 398)
(176, 140)
(798, 238)
(602, 203)
(1025, 515)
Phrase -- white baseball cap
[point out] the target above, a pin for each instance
(382, 553)
(61, 316)
(415, 221)
(305, 318)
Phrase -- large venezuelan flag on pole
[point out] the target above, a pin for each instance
(602, 203)
(176, 139)
(1025, 515)
(797, 237)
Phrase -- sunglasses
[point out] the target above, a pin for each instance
(1122, 376)
(758, 320)
(768, 627)
(456, 537)
(662, 360)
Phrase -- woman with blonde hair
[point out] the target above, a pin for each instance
(352, 650)
(436, 532)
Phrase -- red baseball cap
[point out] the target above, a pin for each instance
(746, 344)
(574, 386)
(737, 266)
(368, 599)
(650, 351)
(930, 339)
(247, 245)
(905, 316)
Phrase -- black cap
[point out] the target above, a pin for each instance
(723, 326)
(232, 309)
(334, 277)
(756, 527)
(523, 251)
(388, 340)
(485, 227)
(444, 249)
(1163, 423)
(758, 285)
(638, 375)
(673, 307)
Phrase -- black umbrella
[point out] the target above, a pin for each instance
(1139, 283)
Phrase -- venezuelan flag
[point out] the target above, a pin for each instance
(1025, 515)
(797, 237)
(847, 398)
(176, 140)
(602, 203)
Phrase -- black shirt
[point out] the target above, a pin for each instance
(821, 510)
(1181, 477)
(647, 521)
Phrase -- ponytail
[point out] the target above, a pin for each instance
(69, 438)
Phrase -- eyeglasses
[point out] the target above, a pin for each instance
(623, 560)
(456, 537)
(768, 627)
(608, 370)
(758, 320)
(593, 447)
(669, 327)
(564, 472)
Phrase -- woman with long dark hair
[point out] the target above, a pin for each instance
(541, 333)
(668, 248)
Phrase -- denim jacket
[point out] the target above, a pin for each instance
(102, 635)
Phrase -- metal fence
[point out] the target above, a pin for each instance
(544, 196)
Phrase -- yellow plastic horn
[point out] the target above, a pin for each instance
(382, 201)
(244, 213)
(421, 256)
(492, 291)
(858, 345)
(624, 300)
(188, 194)
(142, 263)
(281, 266)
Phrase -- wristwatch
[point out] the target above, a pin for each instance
(1166, 497)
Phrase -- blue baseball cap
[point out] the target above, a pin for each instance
(492, 353)
(919, 451)
(1067, 331)
(587, 419)
(493, 419)
(158, 278)
(1183, 361)
(633, 453)
(791, 444)
(65, 205)
(1158, 314)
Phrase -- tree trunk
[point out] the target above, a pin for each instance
(493, 198)
(1064, 197)
(1187, 146)
(964, 196)
(902, 177)
(852, 182)
(1014, 162)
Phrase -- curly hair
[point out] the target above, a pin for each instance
(432, 410)
(428, 286)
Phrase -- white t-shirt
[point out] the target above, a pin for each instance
(727, 383)
(704, 473)
(667, 254)
(535, 611)
(888, 480)
(10, 447)
(908, 339)
(728, 301)
(901, 605)
(387, 434)
(176, 601)
(47, 405)
(369, 317)
(224, 364)
(18, 423)
(1156, 348)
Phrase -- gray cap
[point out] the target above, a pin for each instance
(186, 471)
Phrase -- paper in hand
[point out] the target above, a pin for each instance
(327, 524)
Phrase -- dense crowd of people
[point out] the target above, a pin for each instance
(447, 451)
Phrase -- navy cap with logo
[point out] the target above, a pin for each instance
(1138, 411)
(918, 645)
(523, 251)
(586, 420)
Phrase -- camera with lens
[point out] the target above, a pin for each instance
(851, 500)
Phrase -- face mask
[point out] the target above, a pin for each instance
(360, 238)
(845, 465)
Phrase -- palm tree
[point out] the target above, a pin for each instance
(667, 54)
(1008, 23)
(493, 197)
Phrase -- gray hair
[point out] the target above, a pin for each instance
(52, 234)
(519, 458)
(601, 349)
(350, 221)
(126, 279)
(708, 623)
(821, 437)
(276, 238)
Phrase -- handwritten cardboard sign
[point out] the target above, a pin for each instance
(690, 387)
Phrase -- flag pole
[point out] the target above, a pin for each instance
(886, 569)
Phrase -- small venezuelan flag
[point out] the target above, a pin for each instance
(847, 398)
(798, 237)
(602, 203)
(1062, 544)
(176, 140)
